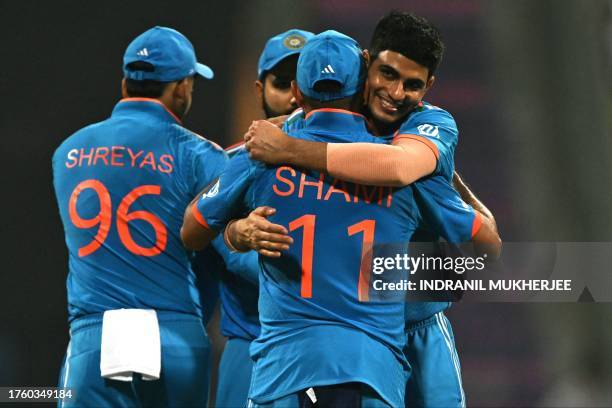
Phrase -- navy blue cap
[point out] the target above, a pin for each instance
(280, 47)
(333, 56)
(168, 51)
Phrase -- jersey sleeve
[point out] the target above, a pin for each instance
(203, 161)
(444, 212)
(243, 264)
(227, 198)
(294, 122)
(437, 129)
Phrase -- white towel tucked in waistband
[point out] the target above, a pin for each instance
(130, 344)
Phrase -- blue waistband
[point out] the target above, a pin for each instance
(162, 316)
(422, 323)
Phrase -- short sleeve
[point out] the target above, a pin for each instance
(444, 212)
(294, 122)
(225, 200)
(437, 129)
(200, 160)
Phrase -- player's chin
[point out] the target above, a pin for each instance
(385, 116)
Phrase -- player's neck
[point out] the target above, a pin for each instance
(379, 128)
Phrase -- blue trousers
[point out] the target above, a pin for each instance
(185, 370)
(234, 374)
(435, 380)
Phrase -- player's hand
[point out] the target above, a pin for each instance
(267, 143)
(257, 233)
(278, 121)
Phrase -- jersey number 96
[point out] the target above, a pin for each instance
(104, 217)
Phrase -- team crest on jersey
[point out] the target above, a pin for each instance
(213, 191)
(294, 42)
(428, 130)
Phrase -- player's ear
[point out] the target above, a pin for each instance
(430, 82)
(366, 57)
(259, 87)
(366, 93)
(124, 92)
(181, 89)
(297, 94)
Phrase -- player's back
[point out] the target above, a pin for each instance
(122, 186)
(319, 319)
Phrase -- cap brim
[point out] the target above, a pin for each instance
(269, 66)
(204, 71)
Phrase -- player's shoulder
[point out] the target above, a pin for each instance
(232, 150)
(296, 115)
(295, 121)
(190, 138)
(429, 120)
(428, 112)
(76, 138)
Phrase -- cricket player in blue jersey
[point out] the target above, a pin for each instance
(239, 289)
(300, 309)
(405, 51)
(290, 357)
(121, 187)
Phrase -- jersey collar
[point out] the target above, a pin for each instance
(145, 105)
(335, 120)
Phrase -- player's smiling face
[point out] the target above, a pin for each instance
(396, 84)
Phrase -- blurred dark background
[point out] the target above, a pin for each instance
(528, 83)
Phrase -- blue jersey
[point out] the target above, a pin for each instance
(319, 288)
(443, 212)
(239, 291)
(122, 186)
(239, 286)
(435, 127)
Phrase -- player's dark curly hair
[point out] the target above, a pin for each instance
(409, 35)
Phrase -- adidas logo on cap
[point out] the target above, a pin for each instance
(328, 70)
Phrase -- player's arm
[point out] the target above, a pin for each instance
(245, 265)
(486, 239)
(218, 204)
(205, 162)
(449, 215)
(257, 233)
(196, 234)
(406, 160)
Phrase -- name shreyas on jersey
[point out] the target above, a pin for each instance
(290, 182)
(119, 156)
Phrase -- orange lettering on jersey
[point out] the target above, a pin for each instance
(115, 155)
(101, 153)
(165, 163)
(72, 158)
(389, 195)
(342, 190)
(318, 184)
(150, 160)
(88, 156)
(284, 180)
(134, 157)
(364, 193)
